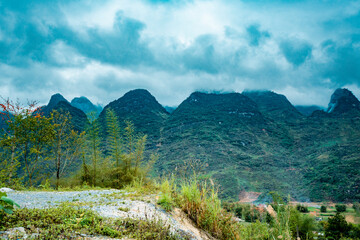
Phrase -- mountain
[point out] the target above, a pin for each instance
(231, 141)
(140, 107)
(253, 142)
(59, 103)
(343, 101)
(308, 110)
(169, 109)
(54, 100)
(86, 106)
(273, 105)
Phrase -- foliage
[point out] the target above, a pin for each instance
(302, 209)
(340, 208)
(323, 209)
(28, 135)
(6, 205)
(93, 146)
(65, 221)
(202, 205)
(356, 207)
(337, 227)
(66, 145)
(301, 225)
(167, 189)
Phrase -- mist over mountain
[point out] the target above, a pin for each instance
(308, 110)
(275, 106)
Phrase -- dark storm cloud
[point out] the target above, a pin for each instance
(343, 63)
(45, 45)
(296, 51)
(202, 56)
(255, 35)
(122, 46)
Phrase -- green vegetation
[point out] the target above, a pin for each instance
(67, 222)
(38, 151)
(301, 208)
(6, 205)
(340, 208)
(323, 209)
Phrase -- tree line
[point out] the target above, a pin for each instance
(36, 148)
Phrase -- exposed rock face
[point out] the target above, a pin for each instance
(86, 106)
(343, 101)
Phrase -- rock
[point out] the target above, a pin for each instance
(5, 189)
(17, 232)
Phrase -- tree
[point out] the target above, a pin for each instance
(323, 209)
(93, 144)
(337, 227)
(30, 133)
(114, 137)
(340, 208)
(66, 145)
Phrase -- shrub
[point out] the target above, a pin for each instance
(252, 216)
(6, 205)
(166, 199)
(238, 212)
(356, 207)
(323, 209)
(340, 208)
(202, 205)
(337, 227)
(301, 208)
(301, 225)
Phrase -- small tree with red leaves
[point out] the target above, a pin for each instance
(27, 134)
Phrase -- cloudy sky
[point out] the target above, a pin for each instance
(102, 49)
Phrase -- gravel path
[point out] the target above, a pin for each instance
(108, 203)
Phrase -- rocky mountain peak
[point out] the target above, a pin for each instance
(343, 101)
(55, 99)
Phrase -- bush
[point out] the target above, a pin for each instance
(202, 205)
(337, 227)
(356, 207)
(323, 209)
(340, 208)
(301, 225)
(6, 205)
(301, 208)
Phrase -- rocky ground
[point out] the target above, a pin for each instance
(110, 203)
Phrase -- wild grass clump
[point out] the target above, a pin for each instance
(201, 203)
(168, 194)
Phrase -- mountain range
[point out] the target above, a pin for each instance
(251, 141)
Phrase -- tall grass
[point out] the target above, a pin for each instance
(202, 205)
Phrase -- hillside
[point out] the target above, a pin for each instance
(86, 106)
(142, 109)
(235, 144)
(273, 105)
(59, 103)
(250, 142)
